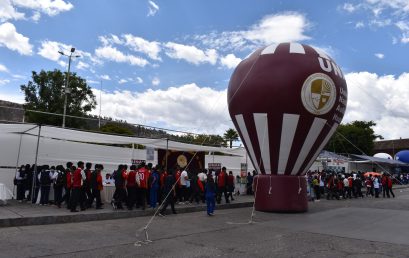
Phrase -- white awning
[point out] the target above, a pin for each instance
(93, 137)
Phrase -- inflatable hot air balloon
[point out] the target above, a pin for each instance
(403, 156)
(383, 155)
(286, 101)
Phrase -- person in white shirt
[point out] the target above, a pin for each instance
(183, 186)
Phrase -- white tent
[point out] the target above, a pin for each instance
(92, 137)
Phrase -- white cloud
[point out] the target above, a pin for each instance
(404, 27)
(105, 77)
(379, 55)
(49, 49)
(36, 16)
(382, 99)
(155, 81)
(82, 66)
(3, 68)
(167, 108)
(153, 8)
(10, 38)
(191, 54)
(12, 97)
(49, 7)
(230, 61)
(113, 54)
(8, 12)
(274, 28)
(138, 80)
(4, 81)
(359, 25)
(138, 44)
(122, 81)
(349, 7)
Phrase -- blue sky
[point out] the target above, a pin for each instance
(168, 63)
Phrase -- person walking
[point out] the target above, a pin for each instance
(210, 195)
(169, 193)
(222, 186)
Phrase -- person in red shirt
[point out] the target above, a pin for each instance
(131, 187)
(96, 185)
(77, 179)
(179, 195)
(143, 174)
(222, 186)
(67, 185)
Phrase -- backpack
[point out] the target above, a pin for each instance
(45, 177)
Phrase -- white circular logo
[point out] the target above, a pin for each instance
(318, 94)
(182, 160)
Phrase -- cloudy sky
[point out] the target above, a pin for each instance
(168, 63)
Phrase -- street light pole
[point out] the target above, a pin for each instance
(66, 90)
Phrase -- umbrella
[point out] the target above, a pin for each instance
(372, 174)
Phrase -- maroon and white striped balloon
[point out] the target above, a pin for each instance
(286, 101)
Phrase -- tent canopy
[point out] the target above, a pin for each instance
(93, 137)
(370, 159)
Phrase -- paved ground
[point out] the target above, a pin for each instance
(347, 228)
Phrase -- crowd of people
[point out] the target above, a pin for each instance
(137, 187)
(348, 185)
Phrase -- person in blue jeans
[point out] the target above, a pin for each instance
(154, 188)
(210, 194)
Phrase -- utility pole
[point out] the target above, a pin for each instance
(67, 90)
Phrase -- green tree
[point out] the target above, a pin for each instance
(353, 138)
(116, 128)
(45, 92)
(231, 135)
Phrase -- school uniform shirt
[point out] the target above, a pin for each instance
(183, 180)
(131, 181)
(143, 175)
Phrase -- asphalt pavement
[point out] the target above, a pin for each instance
(366, 227)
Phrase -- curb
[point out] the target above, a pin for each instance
(109, 215)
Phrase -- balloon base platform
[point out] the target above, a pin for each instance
(280, 193)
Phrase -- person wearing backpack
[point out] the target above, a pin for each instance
(58, 178)
(20, 183)
(45, 177)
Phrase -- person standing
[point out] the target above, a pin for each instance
(120, 193)
(389, 186)
(210, 194)
(131, 186)
(221, 186)
(143, 175)
(67, 185)
(154, 186)
(230, 186)
(183, 186)
(376, 186)
(316, 187)
(20, 183)
(169, 192)
(86, 189)
(58, 185)
(249, 184)
(77, 178)
(45, 178)
(96, 185)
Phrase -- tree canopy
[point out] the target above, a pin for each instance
(45, 92)
(231, 135)
(353, 138)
